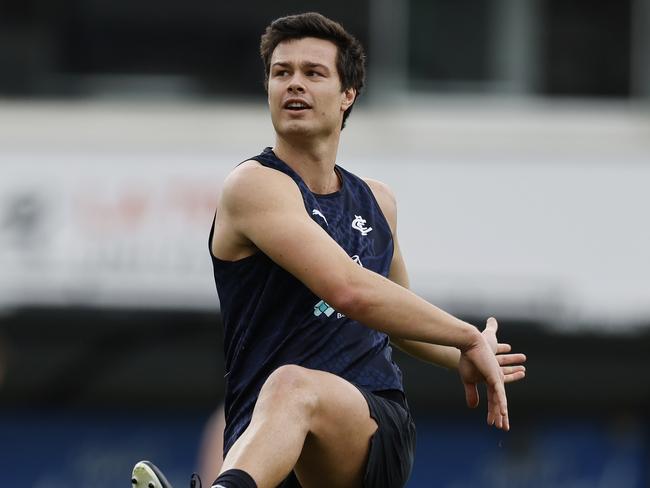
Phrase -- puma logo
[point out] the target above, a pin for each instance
(318, 212)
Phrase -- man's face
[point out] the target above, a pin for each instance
(304, 88)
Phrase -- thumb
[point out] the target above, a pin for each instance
(471, 395)
(492, 324)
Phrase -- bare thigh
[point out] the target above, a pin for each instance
(335, 452)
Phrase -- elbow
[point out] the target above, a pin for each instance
(350, 300)
(348, 291)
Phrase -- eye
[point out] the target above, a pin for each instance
(281, 72)
(313, 73)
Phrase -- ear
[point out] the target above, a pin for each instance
(347, 98)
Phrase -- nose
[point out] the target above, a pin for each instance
(296, 86)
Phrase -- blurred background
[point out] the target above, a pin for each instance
(515, 134)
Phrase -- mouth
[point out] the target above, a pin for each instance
(296, 105)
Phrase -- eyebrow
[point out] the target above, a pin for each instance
(305, 64)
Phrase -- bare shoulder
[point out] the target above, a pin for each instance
(381, 191)
(251, 194)
(252, 184)
(385, 197)
(251, 175)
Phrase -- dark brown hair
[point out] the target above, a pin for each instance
(350, 58)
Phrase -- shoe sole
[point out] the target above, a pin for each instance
(147, 475)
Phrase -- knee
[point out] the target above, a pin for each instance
(291, 386)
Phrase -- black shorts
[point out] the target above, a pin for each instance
(392, 446)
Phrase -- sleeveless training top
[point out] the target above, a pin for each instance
(271, 319)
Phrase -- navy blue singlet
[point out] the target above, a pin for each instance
(271, 319)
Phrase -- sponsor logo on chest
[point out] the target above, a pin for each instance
(324, 308)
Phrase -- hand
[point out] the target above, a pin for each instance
(473, 372)
(511, 366)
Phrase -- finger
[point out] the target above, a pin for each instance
(493, 416)
(492, 324)
(506, 370)
(503, 348)
(502, 422)
(505, 422)
(508, 359)
(491, 402)
(490, 416)
(519, 375)
(471, 395)
(501, 402)
(497, 420)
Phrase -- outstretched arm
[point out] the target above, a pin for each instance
(264, 207)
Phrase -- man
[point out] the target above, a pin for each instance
(304, 253)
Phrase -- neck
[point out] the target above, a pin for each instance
(313, 160)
